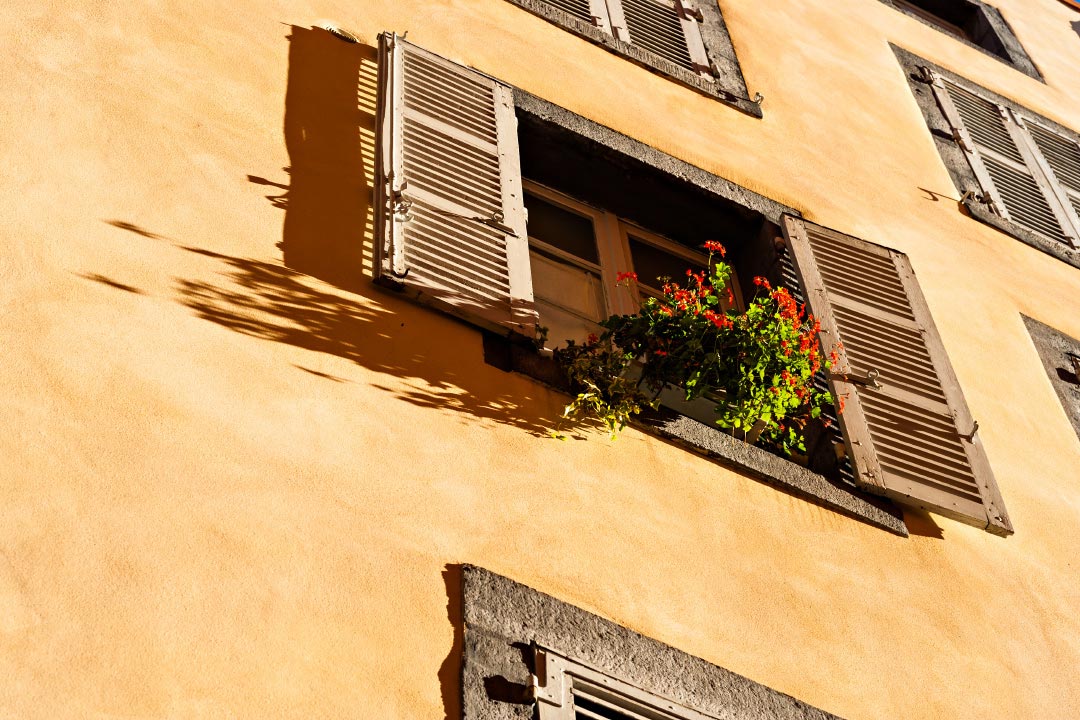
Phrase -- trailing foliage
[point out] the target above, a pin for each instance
(758, 365)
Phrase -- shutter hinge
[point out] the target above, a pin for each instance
(958, 137)
(929, 77)
(690, 13)
(870, 379)
(1075, 360)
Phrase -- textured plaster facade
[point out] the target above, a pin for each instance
(237, 476)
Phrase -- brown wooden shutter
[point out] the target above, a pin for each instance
(667, 28)
(1002, 160)
(913, 438)
(450, 222)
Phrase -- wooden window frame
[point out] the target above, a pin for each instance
(716, 70)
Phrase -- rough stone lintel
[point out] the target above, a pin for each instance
(621, 144)
(503, 618)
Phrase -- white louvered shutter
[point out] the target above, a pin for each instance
(1061, 156)
(1002, 160)
(667, 28)
(450, 209)
(913, 438)
(594, 12)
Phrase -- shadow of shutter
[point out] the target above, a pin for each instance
(450, 214)
(913, 438)
(1001, 160)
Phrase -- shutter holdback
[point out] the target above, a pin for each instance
(869, 379)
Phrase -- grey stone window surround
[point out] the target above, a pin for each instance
(957, 163)
(686, 432)
(729, 86)
(504, 620)
(1054, 347)
(992, 19)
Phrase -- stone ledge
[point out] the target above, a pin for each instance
(714, 444)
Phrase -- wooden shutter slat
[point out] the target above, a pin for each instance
(656, 26)
(912, 438)
(451, 217)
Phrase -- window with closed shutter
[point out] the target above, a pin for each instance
(1028, 174)
(689, 43)
(909, 432)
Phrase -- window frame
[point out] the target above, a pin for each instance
(967, 174)
(1015, 55)
(612, 234)
(406, 228)
(702, 21)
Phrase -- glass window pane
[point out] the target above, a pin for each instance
(561, 228)
(651, 263)
(569, 299)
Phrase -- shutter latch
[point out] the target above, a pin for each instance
(959, 138)
(400, 204)
(870, 379)
(974, 429)
(496, 221)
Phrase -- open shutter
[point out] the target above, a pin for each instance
(450, 221)
(909, 432)
(667, 28)
(1002, 160)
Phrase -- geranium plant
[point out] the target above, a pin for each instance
(757, 365)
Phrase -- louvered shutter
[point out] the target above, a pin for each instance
(912, 438)
(1061, 156)
(450, 214)
(1002, 160)
(594, 12)
(667, 28)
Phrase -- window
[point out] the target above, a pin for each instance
(575, 253)
(976, 24)
(1060, 355)
(688, 43)
(451, 221)
(526, 651)
(1015, 170)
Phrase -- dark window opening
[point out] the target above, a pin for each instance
(974, 22)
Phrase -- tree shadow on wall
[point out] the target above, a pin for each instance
(275, 303)
(327, 235)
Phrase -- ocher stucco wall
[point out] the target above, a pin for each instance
(231, 489)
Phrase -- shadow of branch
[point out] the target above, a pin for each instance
(273, 303)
